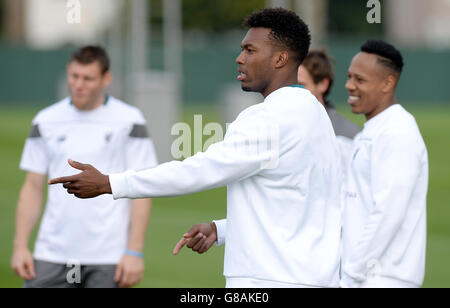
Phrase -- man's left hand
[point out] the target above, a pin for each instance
(129, 271)
(88, 184)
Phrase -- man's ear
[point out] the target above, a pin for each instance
(389, 84)
(281, 58)
(107, 79)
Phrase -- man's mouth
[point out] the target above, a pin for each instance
(352, 99)
(241, 76)
(79, 94)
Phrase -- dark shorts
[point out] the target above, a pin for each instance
(52, 275)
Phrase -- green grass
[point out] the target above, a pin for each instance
(171, 218)
(174, 216)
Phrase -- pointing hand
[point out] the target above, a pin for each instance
(90, 183)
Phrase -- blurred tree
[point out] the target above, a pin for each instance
(344, 17)
(212, 16)
(2, 18)
(13, 17)
(349, 17)
(218, 15)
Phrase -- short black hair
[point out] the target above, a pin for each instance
(286, 28)
(390, 56)
(91, 54)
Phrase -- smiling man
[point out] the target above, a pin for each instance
(386, 188)
(279, 160)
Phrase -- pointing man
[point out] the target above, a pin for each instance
(279, 160)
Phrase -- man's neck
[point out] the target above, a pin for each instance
(278, 84)
(94, 104)
(382, 107)
(321, 100)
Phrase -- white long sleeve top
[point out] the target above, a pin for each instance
(280, 162)
(384, 232)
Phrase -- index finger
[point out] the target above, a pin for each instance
(180, 245)
(62, 180)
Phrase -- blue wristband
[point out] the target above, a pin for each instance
(134, 254)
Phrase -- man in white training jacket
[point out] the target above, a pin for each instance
(279, 160)
(386, 189)
(316, 74)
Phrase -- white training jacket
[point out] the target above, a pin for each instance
(281, 164)
(384, 232)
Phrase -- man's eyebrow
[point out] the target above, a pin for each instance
(248, 45)
(356, 75)
(359, 76)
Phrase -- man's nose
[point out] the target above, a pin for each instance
(349, 85)
(240, 58)
(78, 83)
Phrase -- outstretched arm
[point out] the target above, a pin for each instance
(244, 152)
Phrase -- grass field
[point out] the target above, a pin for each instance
(174, 216)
